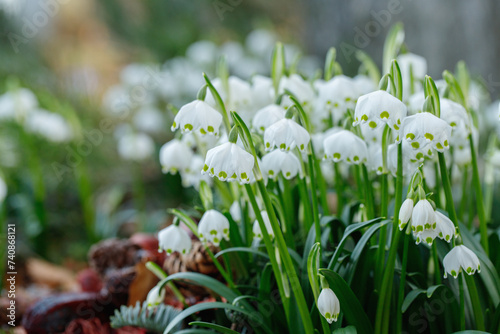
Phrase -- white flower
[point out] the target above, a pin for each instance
(423, 129)
(460, 257)
(262, 91)
(239, 97)
(445, 227)
(191, 177)
(286, 134)
(418, 66)
(299, 87)
(285, 162)
(335, 97)
(378, 108)
(257, 232)
(405, 213)
(456, 116)
(364, 84)
(135, 146)
(174, 239)
(155, 296)
(203, 53)
(345, 146)
(267, 116)
(229, 162)
(17, 103)
(213, 227)
(375, 162)
(416, 103)
(49, 125)
(3, 190)
(198, 116)
(328, 305)
(149, 119)
(426, 236)
(423, 216)
(175, 156)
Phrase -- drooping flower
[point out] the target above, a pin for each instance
(423, 216)
(17, 104)
(257, 232)
(299, 87)
(364, 84)
(267, 116)
(345, 146)
(237, 95)
(456, 116)
(155, 296)
(335, 97)
(174, 239)
(198, 116)
(425, 129)
(136, 146)
(405, 213)
(418, 67)
(445, 227)
(328, 305)
(461, 257)
(286, 134)
(281, 162)
(213, 227)
(378, 108)
(175, 156)
(191, 177)
(149, 119)
(229, 162)
(49, 125)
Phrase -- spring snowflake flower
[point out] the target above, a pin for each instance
(239, 96)
(229, 162)
(257, 232)
(456, 116)
(416, 103)
(191, 177)
(17, 103)
(174, 239)
(418, 66)
(345, 146)
(328, 305)
(461, 257)
(198, 116)
(375, 162)
(262, 91)
(423, 216)
(364, 84)
(149, 119)
(286, 134)
(405, 213)
(281, 162)
(49, 125)
(155, 297)
(298, 87)
(213, 227)
(267, 116)
(136, 146)
(335, 97)
(445, 227)
(425, 129)
(175, 156)
(378, 108)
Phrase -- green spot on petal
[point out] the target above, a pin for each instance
(372, 124)
(384, 114)
(429, 136)
(415, 144)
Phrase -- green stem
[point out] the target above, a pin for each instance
(462, 301)
(85, 193)
(224, 273)
(402, 284)
(359, 182)
(483, 228)
(476, 303)
(304, 198)
(287, 261)
(339, 188)
(368, 193)
(286, 204)
(383, 232)
(435, 257)
(322, 187)
(465, 191)
(314, 197)
(155, 269)
(384, 301)
(450, 206)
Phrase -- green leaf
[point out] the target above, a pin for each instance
(242, 249)
(195, 331)
(393, 42)
(206, 195)
(183, 217)
(140, 316)
(312, 268)
(471, 332)
(346, 330)
(349, 303)
(348, 231)
(330, 63)
(410, 298)
(218, 328)
(254, 318)
(278, 65)
(369, 65)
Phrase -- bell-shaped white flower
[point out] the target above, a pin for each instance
(418, 67)
(213, 227)
(335, 97)
(460, 257)
(456, 116)
(364, 84)
(155, 296)
(198, 116)
(299, 87)
(229, 162)
(328, 305)
(426, 236)
(345, 146)
(416, 103)
(17, 104)
(375, 162)
(175, 156)
(281, 162)
(262, 91)
(257, 232)
(445, 227)
(136, 146)
(174, 239)
(267, 116)
(379, 107)
(423, 129)
(423, 216)
(49, 125)
(286, 134)
(405, 213)
(149, 119)
(239, 96)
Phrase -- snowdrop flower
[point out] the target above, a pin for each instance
(267, 116)
(335, 97)
(299, 87)
(418, 66)
(229, 162)
(149, 119)
(328, 305)
(191, 176)
(135, 146)
(261, 42)
(423, 216)
(174, 239)
(17, 103)
(49, 125)
(262, 91)
(203, 53)
(405, 213)
(375, 162)
(175, 156)
(345, 146)
(364, 84)
(378, 108)
(445, 227)
(198, 116)
(155, 297)
(213, 227)
(285, 162)
(456, 116)
(286, 134)
(416, 103)
(461, 257)
(239, 96)
(257, 232)
(423, 129)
